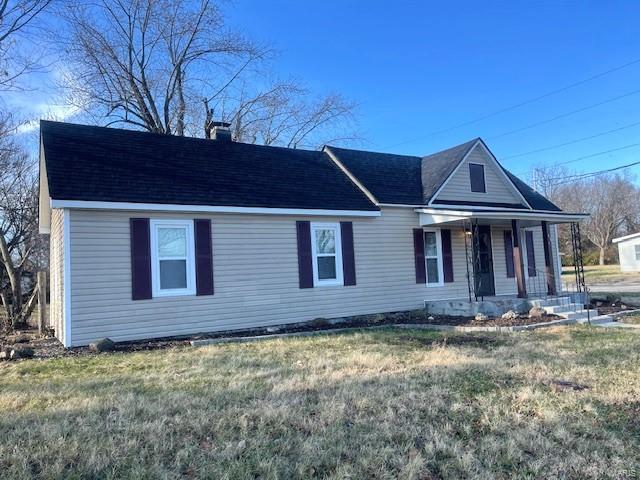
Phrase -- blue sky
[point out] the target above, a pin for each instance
(416, 68)
(419, 67)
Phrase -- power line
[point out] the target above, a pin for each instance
(574, 178)
(563, 115)
(571, 142)
(517, 105)
(584, 157)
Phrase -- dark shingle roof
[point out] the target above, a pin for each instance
(114, 165)
(401, 179)
(437, 167)
(390, 178)
(533, 198)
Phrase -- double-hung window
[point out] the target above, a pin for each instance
(637, 251)
(172, 258)
(326, 248)
(433, 257)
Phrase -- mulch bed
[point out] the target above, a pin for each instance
(50, 347)
(610, 305)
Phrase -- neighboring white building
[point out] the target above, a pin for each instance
(629, 252)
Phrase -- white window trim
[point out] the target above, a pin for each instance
(440, 282)
(484, 177)
(339, 280)
(155, 262)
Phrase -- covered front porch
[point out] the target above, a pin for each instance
(508, 257)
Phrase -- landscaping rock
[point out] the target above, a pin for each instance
(102, 345)
(273, 329)
(510, 315)
(537, 312)
(21, 352)
(430, 318)
(481, 317)
(5, 353)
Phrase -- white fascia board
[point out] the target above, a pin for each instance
(626, 237)
(44, 201)
(514, 214)
(160, 207)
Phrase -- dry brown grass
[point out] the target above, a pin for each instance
(383, 404)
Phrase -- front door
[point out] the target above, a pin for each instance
(483, 262)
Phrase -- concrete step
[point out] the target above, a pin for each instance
(550, 302)
(596, 320)
(580, 314)
(557, 309)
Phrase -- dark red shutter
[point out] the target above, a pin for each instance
(348, 254)
(531, 254)
(204, 256)
(508, 254)
(140, 258)
(305, 265)
(447, 255)
(418, 250)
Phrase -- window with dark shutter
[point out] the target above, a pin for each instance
(447, 255)
(476, 175)
(348, 253)
(418, 251)
(204, 256)
(531, 254)
(140, 258)
(305, 259)
(508, 254)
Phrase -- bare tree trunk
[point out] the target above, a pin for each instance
(601, 260)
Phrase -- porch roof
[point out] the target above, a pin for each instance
(495, 216)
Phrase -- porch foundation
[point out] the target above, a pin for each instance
(465, 308)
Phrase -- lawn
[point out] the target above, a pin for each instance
(370, 404)
(601, 274)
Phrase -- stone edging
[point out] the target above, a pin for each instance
(404, 326)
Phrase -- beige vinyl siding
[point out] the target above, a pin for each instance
(56, 273)
(504, 285)
(255, 275)
(255, 272)
(459, 185)
(538, 284)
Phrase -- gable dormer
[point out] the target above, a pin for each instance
(478, 179)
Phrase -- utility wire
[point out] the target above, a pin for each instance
(563, 115)
(552, 147)
(584, 157)
(582, 176)
(517, 105)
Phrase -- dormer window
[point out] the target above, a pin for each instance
(476, 175)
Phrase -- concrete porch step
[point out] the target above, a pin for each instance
(558, 309)
(550, 301)
(596, 320)
(579, 314)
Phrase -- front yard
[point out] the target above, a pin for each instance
(560, 403)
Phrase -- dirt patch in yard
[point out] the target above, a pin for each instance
(50, 347)
(610, 304)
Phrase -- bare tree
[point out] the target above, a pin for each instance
(150, 64)
(609, 199)
(283, 114)
(139, 62)
(15, 18)
(21, 248)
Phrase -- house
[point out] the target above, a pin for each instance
(629, 252)
(156, 236)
